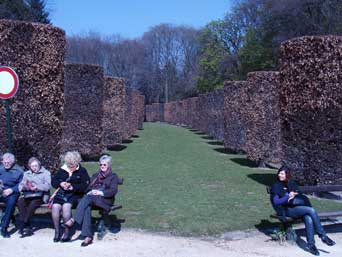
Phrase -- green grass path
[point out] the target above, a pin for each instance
(176, 181)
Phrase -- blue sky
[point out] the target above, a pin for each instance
(131, 18)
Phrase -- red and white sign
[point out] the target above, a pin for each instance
(9, 82)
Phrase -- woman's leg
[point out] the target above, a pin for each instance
(22, 206)
(300, 211)
(32, 206)
(310, 231)
(56, 211)
(66, 212)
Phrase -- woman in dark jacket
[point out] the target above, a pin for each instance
(101, 193)
(71, 182)
(283, 193)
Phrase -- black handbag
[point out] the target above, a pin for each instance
(33, 194)
(300, 200)
(63, 196)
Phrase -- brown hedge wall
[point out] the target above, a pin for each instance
(169, 112)
(235, 102)
(263, 135)
(36, 52)
(214, 106)
(83, 110)
(113, 111)
(311, 108)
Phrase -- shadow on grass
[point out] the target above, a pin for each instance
(245, 162)
(116, 148)
(193, 130)
(215, 143)
(199, 133)
(225, 150)
(267, 227)
(264, 179)
(135, 136)
(208, 137)
(127, 141)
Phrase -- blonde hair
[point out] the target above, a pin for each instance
(72, 158)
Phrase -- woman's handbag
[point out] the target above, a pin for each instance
(32, 194)
(299, 200)
(63, 196)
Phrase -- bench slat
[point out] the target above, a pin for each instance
(320, 188)
(320, 214)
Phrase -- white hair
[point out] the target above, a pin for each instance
(9, 156)
(107, 159)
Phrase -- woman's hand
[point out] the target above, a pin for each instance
(96, 192)
(292, 195)
(65, 185)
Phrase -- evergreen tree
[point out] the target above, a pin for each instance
(27, 10)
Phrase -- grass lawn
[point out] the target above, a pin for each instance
(179, 181)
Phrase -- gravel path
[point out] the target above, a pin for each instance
(133, 243)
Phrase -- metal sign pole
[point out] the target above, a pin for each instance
(8, 124)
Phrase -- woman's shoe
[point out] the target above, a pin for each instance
(69, 223)
(87, 241)
(327, 240)
(313, 249)
(65, 238)
(57, 238)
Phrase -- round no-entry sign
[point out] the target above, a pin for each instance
(9, 82)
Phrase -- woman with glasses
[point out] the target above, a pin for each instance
(34, 190)
(71, 182)
(101, 193)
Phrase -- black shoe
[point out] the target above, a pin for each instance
(65, 239)
(28, 231)
(5, 233)
(328, 241)
(57, 238)
(313, 249)
(87, 241)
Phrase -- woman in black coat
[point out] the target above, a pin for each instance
(71, 182)
(101, 193)
(283, 195)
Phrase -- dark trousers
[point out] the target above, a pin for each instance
(311, 220)
(10, 202)
(83, 213)
(27, 207)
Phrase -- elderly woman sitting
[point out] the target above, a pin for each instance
(101, 192)
(71, 182)
(35, 185)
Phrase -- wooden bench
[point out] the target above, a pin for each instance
(287, 224)
(101, 227)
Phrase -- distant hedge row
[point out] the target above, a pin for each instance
(292, 116)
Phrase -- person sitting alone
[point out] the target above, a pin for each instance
(283, 192)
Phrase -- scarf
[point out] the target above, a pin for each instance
(98, 181)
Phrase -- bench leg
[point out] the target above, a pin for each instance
(101, 227)
(291, 235)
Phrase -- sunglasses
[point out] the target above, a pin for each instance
(103, 164)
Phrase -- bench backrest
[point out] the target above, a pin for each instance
(315, 189)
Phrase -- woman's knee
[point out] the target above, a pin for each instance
(308, 220)
(56, 207)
